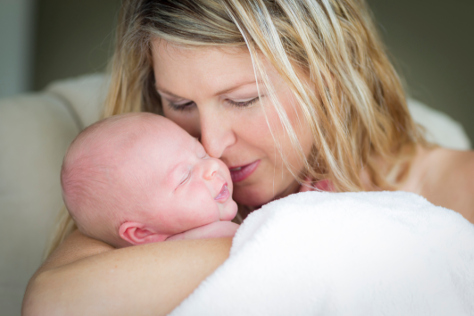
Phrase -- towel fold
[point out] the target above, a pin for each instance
(319, 253)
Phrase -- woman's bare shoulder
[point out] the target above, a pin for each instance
(449, 179)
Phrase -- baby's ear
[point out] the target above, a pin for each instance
(137, 234)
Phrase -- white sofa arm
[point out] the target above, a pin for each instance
(83, 95)
(35, 131)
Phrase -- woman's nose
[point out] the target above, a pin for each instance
(216, 133)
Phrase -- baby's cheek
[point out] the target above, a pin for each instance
(198, 207)
(194, 215)
(206, 211)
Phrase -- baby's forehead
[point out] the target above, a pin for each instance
(138, 130)
(147, 135)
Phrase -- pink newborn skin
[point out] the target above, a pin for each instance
(138, 178)
(212, 230)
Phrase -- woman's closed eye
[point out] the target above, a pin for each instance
(186, 106)
(243, 103)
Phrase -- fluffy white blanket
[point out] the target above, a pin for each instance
(384, 253)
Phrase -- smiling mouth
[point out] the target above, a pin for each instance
(223, 194)
(243, 172)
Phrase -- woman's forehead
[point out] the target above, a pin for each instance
(219, 68)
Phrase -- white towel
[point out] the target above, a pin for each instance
(313, 253)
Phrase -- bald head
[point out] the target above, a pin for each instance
(100, 186)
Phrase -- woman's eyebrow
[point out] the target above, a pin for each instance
(223, 91)
(162, 91)
(235, 87)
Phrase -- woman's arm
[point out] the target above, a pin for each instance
(86, 277)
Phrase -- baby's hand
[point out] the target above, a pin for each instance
(322, 185)
(307, 185)
(213, 230)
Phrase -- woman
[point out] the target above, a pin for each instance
(284, 92)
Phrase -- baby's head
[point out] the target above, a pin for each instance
(138, 178)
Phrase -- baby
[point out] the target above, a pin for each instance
(138, 178)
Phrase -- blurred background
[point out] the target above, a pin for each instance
(431, 42)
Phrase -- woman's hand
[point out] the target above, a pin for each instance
(87, 277)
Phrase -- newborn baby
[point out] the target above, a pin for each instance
(138, 178)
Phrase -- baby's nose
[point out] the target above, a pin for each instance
(210, 168)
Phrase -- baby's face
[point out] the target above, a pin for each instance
(185, 187)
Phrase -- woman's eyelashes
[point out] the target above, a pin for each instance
(181, 106)
(242, 103)
(190, 105)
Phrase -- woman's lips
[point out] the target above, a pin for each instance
(223, 194)
(243, 172)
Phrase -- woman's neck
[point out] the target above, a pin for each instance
(244, 210)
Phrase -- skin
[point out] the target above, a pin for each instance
(148, 279)
(212, 94)
(186, 188)
(443, 176)
(179, 186)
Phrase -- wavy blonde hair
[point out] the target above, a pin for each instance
(327, 51)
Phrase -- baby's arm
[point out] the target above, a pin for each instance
(214, 230)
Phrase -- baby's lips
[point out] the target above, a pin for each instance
(223, 194)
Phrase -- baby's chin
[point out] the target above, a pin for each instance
(229, 210)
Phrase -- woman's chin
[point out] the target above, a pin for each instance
(252, 198)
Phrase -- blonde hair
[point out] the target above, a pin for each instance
(350, 97)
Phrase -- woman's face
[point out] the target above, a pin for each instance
(212, 94)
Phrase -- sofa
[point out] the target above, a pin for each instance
(35, 131)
